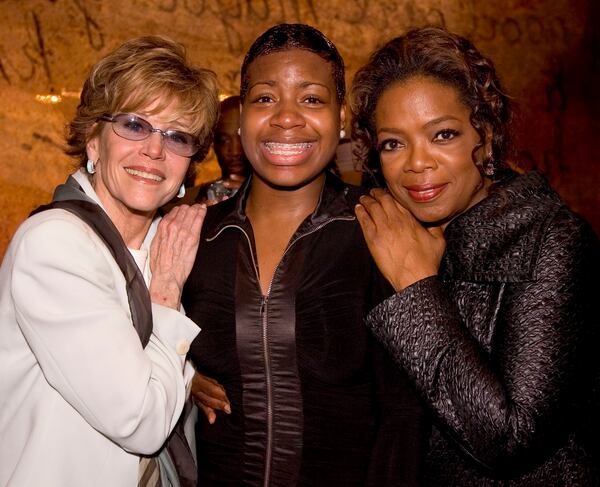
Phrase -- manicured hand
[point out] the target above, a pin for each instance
(404, 250)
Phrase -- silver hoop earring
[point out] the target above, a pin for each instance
(181, 192)
(342, 133)
(89, 167)
(239, 131)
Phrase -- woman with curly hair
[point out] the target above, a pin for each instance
(494, 275)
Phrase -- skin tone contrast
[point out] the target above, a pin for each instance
(425, 140)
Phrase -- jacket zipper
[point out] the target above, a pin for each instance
(264, 300)
(264, 303)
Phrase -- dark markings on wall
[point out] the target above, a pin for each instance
(46, 140)
(354, 12)
(3, 73)
(92, 29)
(518, 29)
(40, 47)
(234, 14)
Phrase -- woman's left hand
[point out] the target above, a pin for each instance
(403, 249)
(173, 252)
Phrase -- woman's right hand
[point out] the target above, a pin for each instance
(173, 252)
(209, 396)
(403, 249)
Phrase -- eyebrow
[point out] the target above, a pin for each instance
(435, 121)
(174, 124)
(439, 120)
(307, 84)
(261, 82)
(303, 84)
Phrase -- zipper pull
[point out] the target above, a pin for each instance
(263, 304)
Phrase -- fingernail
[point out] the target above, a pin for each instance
(227, 409)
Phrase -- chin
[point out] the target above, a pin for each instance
(145, 206)
(287, 182)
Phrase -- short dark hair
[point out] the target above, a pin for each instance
(434, 53)
(284, 37)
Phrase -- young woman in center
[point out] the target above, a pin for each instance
(281, 286)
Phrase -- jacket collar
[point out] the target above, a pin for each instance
(499, 238)
(333, 204)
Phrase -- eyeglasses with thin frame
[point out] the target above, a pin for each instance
(132, 127)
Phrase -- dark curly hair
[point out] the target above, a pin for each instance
(284, 37)
(450, 59)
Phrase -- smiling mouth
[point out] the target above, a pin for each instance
(280, 149)
(144, 174)
(424, 194)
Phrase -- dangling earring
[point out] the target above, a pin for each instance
(342, 133)
(89, 167)
(239, 131)
(181, 192)
(488, 166)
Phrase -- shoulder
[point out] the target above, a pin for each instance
(51, 225)
(56, 238)
(570, 238)
(545, 216)
(521, 217)
(353, 193)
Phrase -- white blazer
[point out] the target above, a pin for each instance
(80, 398)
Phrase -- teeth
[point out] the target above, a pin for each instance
(143, 174)
(287, 149)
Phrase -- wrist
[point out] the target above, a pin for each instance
(165, 293)
(407, 279)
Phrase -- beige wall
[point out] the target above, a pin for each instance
(546, 51)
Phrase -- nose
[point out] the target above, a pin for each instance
(153, 146)
(419, 159)
(287, 114)
(235, 148)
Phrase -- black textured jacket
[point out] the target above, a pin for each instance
(316, 400)
(502, 345)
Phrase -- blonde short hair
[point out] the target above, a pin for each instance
(135, 75)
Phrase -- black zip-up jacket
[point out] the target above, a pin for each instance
(315, 399)
(503, 344)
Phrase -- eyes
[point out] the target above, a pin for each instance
(133, 125)
(443, 136)
(307, 99)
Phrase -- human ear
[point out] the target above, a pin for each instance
(92, 152)
(343, 116)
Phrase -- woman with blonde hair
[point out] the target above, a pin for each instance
(93, 341)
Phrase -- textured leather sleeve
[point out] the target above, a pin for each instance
(507, 404)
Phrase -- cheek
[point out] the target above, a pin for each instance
(181, 169)
(247, 133)
(391, 169)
